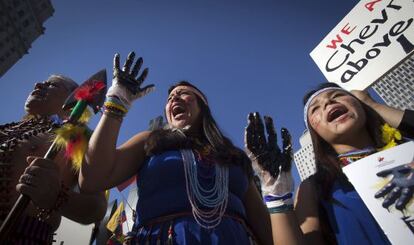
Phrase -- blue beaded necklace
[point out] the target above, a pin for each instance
(353, 156)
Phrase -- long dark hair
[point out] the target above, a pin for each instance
(328, 167)
(222, 149)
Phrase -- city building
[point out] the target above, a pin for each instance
(305, 158)
(21, 22)
(396, 88)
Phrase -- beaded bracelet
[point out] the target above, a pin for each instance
(115, 106)
(117, 115)
(62, 198)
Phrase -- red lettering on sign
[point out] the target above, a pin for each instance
(370, 5)
(334, 41)
(345, 30)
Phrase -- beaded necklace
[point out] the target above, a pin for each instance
(390, 137)
(208, 205)
(353, 156)
(11, 135)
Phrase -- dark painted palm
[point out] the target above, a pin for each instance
(128, 77)
(266, 151)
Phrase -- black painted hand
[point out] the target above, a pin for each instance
(266, 152)
(126, 84)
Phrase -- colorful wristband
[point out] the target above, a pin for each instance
(278, 204)
(281, 209)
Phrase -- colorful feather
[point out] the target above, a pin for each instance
(74, 138)
(86, 115)
(89, 91)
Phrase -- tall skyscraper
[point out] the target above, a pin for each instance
(396, 88)
(304, 157)
(21, 22)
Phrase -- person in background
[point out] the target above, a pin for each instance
(49, 184)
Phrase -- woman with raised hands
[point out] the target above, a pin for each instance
(195, 186)
(344, 127)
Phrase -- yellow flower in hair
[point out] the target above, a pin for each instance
(390, 136)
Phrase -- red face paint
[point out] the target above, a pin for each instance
(315, 120)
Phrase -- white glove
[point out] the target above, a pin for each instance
(125, 86)
(272, 166)
(277, 192)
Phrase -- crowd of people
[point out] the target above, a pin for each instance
(194, 185)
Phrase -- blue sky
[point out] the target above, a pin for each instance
(247, 55)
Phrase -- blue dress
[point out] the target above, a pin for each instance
(351, 220)
(163, 207)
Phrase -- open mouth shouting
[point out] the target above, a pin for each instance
(337, 113)
(178, 111)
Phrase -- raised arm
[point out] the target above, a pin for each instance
(396, 118)
(104, 165)
(257, 215)
(273, 167)
(391, 115)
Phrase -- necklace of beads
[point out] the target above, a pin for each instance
(11, 135)
(208, 204)
(352, 156)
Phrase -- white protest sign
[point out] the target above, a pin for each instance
(373, 38)
(397, 225)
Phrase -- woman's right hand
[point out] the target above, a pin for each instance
(364, 97)
(126, 84)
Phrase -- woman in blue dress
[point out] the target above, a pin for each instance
(195, 186)
(344, 127)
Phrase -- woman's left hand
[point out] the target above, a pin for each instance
(126, 82)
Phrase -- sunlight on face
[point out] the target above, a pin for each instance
(335, 115)
(182, 108)
(48, 96)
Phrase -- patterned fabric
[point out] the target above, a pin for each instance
(354, 156)
(11, 135)
(162, 192)
(31, 231)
